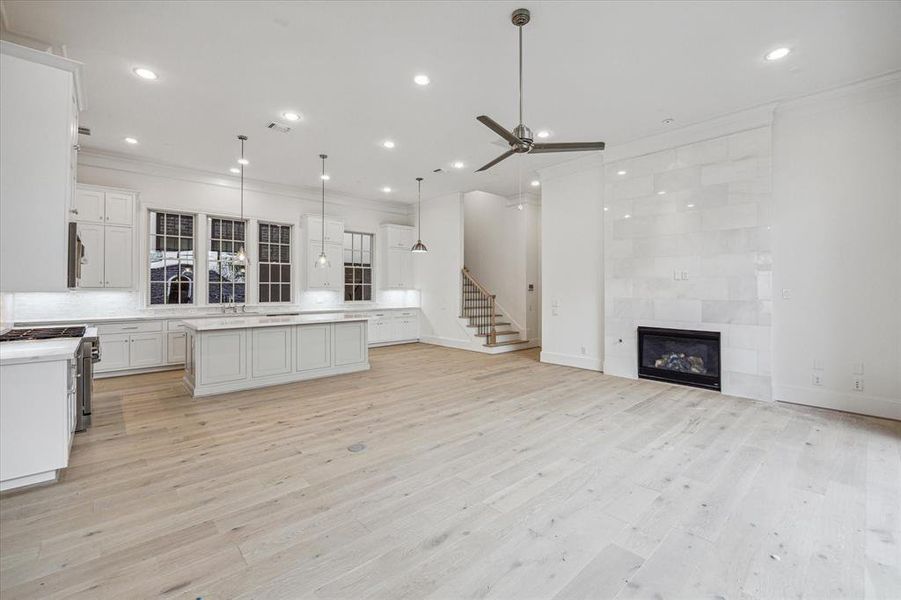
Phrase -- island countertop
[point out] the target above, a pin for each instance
(250, 322)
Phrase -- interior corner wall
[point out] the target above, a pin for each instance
(437, 272)
(494, 250)
(572, 269)
(837, 243)
(533, 272)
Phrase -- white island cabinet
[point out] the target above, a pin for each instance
(239, 353)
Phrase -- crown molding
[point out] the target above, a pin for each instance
(888, 84)
(89, 157)
(46, 57)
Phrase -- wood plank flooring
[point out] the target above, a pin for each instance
(449, 474)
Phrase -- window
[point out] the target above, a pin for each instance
(171, 258)
(357, 267)
(226, 279)
(275, 263)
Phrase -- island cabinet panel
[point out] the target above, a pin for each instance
(223, 357)
(314, 347)
(350, 343)
(272, 351)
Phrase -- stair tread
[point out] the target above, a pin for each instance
(507, 343)
(498, 333)
(498, 324)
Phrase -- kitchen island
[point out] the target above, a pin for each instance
(245, 352)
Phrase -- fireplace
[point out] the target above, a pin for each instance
(679, 356)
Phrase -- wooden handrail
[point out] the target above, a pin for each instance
(484, 314)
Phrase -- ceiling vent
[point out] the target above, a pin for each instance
(438, 171)
(84, 131)
(278, 127)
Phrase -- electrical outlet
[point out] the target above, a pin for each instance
(584, 351)
(684, 275)
(786, 293)
(817, 379)
(858, 383)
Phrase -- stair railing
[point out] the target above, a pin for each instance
(479, 305)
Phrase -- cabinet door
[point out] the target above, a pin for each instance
(146, 349)
(335, 255)
(334, 232)
(92, 266)
(399, 237)
(119, 208)
(114, 352)
(350, 343)
(399, 269)
(175, 347)
(89, 206)
(271, 351)
(223, 356)
(314, 347)
(316, 277)
(117, 257)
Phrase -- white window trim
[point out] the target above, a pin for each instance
(372, 262)
(144, 249)
(292, 265)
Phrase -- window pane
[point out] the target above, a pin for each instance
(286, 292)
(367, 293)
(264, 293)
(275, 274)
(187, 226)
(227, 230)
(286, 235)
(348, 293)
(284, 254)
(286, 273)
(264, 273)
(239, 230)
(156, 293)
(367, 275)
(348, 274)
(264, 233)
(239, 292)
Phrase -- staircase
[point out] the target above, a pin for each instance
(485, 320)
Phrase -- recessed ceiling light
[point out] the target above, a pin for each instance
(519, 206)
(777, 54)
(543, 134)
(621, 172)
(422, 80)
(661, 192)
(388, 144)
(291, 116)
(668, 121)
(459, 165)
(606, 209)
(535, 183)
(627, 216)
(235, 170)
(145, 73)
(690, 205)
(131, 140)
(386, 189)
(324, 177)
(243, 161)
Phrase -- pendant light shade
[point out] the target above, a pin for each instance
(322, 261)
(241, 255)
(419, 247)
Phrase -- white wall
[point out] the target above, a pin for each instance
(495, 250)
(164, 187)
(438, 271)
(572, 268)
(533, 271)
(837, 241)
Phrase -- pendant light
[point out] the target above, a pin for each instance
(322, 261)
(241, 256)
(419, 247)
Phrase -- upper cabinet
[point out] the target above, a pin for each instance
(399, 236)
(395, 258)
(334, 230)
(95, 205)
(39, 99)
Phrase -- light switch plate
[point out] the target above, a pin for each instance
(858, 383)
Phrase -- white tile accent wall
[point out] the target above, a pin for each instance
(696, 256)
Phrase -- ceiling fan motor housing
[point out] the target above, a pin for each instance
(520, 16)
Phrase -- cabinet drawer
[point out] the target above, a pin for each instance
(130, 327)
(176, 325)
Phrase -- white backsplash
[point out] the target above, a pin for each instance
(696, 256)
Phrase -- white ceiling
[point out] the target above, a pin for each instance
(594, 70)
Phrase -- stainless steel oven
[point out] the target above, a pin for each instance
(88, 354)
(76, 256)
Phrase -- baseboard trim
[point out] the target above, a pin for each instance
(123, 372)
(570, 360)
(446, 342)
(852, 402)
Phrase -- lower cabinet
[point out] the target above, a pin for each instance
(314, 347)
(350, 343)
(146, 350)
(222, 357)
(387, 328)
(175, 347)
(272, 351)
(114, 352)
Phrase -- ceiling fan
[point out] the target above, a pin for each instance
(520, 139)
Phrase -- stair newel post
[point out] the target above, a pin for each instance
(492, 331)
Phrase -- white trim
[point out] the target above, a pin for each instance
(89, 157)
(853, 402)
(446, 342)
(51, 60)
(28, 480)
(252, 383)
(570, 360)
(881, 84)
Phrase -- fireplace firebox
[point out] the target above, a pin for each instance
(679, 356)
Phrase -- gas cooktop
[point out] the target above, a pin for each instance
(41, 333)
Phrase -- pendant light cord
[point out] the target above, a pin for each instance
(323, 157)
(419, 185)
(243, 139)
(520, 74)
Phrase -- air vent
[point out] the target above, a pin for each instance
(278, 127)
(84, 131)
(438, 171)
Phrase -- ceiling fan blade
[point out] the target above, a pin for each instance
(566, 147)
(506, 154)
(498, 129)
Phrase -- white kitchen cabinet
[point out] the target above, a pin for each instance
(314, 347)
(117, 257)
(92, 275)
(379, 329)
(146, 350)
(272, 351)
(393, 327)
(175, 347)
(114, 352)
(222, 357)
(40, 130)
(119, 208)
(406, 327)
(397, 269)
(330, 278)
(350, 343)
(89, 206)
(334, 230)
(398, 236)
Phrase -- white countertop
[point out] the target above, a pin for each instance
(29, 351)
(256, 311)
(242, 322)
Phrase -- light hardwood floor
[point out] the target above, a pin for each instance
(481, 477)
